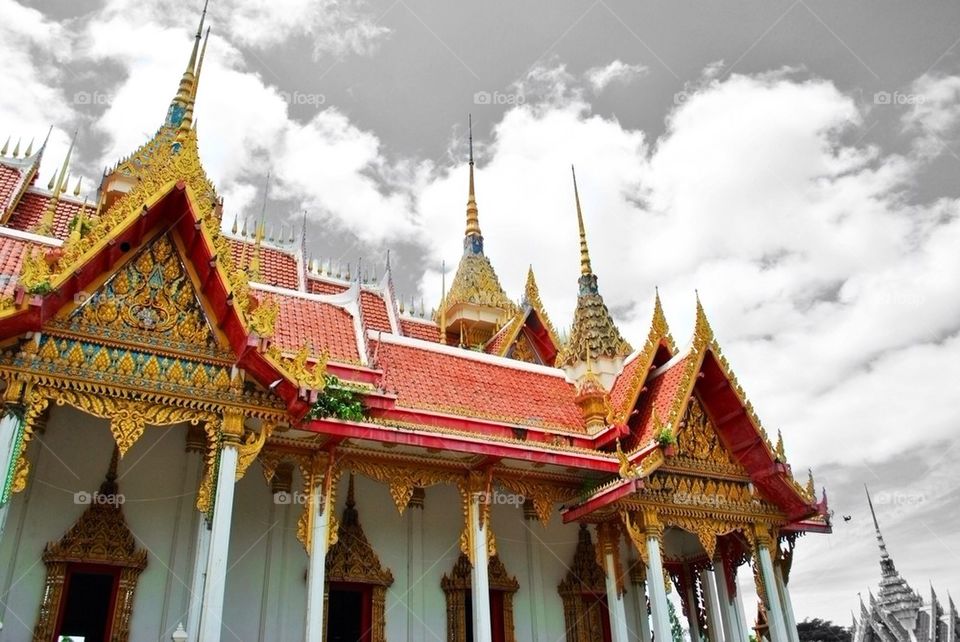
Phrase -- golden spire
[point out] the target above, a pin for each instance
(585, 267)
(45, 226)
(259, 233)
(191, 102)
(177, 112)
(780, 451)
(594, 334)
(473, 217)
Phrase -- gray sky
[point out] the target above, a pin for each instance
(795, 161)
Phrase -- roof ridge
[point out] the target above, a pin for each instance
(470, 355)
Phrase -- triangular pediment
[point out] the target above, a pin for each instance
(151, 301)
(699, 447)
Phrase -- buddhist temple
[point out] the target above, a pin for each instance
(209, 435)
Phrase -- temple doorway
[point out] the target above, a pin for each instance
(89, 599)
(350, 607)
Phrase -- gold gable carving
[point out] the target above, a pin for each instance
(699, 446)
(150, 301)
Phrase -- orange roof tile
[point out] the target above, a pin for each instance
(315, 286)
(10, 178)
(324, 325)
(31, 208)
(426, 379)
(418, 330)
(622, 386)
(660, 396)
(11, 256)
(277, 268)
(374, 309)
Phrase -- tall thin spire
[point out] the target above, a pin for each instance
(473, 217)
(177, 112)
(187, 122)
(259, 232)
(886, 562)
(585, 267)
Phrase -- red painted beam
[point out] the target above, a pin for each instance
(605, 498)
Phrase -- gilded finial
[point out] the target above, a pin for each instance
(6, 146)
(258, 233)
(29, 149)
(781, 453)
(76, 190)
(188, 120)
(16, 149)
(585, 267)
(180, 113)
(45, 226)
(473, 217)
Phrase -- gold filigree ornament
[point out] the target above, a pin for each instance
(250, 446)
(35, 403)
(128, 417)
(263, 319)
(35, 272)
(402, 480)
(543, 495)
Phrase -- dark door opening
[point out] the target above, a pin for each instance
(497, 623)
(87, 611)
(349, 611)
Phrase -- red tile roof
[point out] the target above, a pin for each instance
(496, 344)
(315, 286)
(425, 331)
(426, 379)
(9, 183)
(277, 268)
(374, 311)
(11, 256)
(623, 386)
(660, 396)
(325, 326)
(31, 208)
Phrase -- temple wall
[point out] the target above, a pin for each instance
(266, 585)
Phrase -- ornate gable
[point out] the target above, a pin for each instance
(151, 302)
(699, 446)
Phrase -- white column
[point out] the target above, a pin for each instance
(216, 580)
(316, 572)
(9, 429)
(202, 547)
(479, 580)
(789, 618)
(658, 590)
(415, 581)
(538, 620)
(778, 630)
(728, 612)
(643, 616)
(745, 629)
(714, 621)
(615, 606)
(692, 620)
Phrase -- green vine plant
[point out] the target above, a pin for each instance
(666, 437)
(337, 401)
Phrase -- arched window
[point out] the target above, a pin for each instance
(457, 589)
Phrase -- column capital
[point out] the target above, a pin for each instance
(232, 427)
(764, 536)
(652, 525)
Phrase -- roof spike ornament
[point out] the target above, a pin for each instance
(6, 146)
(177, 111)
(47, 219)
(29, 149)
(16, 149)
(594, 336)
(76, 190)
(188, 121)
(258, 233)
(780, 450)
(473, 216)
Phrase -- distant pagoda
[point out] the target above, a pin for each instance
(898, 613)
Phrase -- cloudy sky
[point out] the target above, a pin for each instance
(796, 162)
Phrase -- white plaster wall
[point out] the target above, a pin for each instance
(266, 591)
(73, 455)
